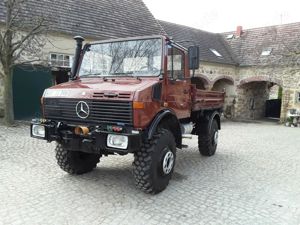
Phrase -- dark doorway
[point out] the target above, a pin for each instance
(61, 76)
(258, 99)
(273, 108)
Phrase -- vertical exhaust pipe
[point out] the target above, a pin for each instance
(78, 51)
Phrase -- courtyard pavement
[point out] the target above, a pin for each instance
(254, 178)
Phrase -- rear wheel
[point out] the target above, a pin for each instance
(74, 162)
(154, 164)
(208, 138)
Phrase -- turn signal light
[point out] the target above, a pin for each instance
(117, 129)
(138, 105)
(114, 128)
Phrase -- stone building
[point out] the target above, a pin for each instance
(249, 64)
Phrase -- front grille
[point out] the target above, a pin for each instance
(100, 111)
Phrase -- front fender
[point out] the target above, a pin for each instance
(215, 115)
(167, 119)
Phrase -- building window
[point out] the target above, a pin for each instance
(266, 52)
(229, 36)
(61, 60)
(216, 53)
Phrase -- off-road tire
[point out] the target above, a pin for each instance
(74, 162)
(148, 161)
(206, 144)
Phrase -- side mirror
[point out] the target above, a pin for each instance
(194, 57)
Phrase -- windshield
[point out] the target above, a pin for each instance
(136, 57)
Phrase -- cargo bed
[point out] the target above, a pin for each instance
(204, 100)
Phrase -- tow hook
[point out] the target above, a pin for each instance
(81, 130)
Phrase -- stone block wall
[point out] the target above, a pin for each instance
(287, 97)
(251, 100)
(274, 92)
(289, 100)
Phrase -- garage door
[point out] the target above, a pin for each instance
(28, 87)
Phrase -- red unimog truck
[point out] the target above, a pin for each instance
(132, 95)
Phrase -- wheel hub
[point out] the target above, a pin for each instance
(168, 162)
(216, 137)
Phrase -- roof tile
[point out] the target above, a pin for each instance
(188, 36)
(99, 19)
(282, 39)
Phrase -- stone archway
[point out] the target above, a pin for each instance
(226, 83)
(253, 94)
(223, 82)
(260, 78)
(201, 81)
(228, 79)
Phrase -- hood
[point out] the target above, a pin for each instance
(116, 88)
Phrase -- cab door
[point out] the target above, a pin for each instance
(178, 85)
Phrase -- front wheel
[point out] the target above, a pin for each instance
(74, 162)
(154, 164)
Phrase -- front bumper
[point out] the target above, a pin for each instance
(93, 142)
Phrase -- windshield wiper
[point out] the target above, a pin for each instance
(91, 75)
(129, 74)
(122, 73)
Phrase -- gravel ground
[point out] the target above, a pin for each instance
(254, 178)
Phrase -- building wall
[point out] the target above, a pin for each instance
(60, 43)
(214, 71)
(229, 88)
(221, 77)
(55, 43)
(1, 98)
(231, 76)
(251, 100)
(1, 88)
(274, 90)
(239, 96)
(286, 77)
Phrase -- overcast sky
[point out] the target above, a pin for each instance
(220, 16)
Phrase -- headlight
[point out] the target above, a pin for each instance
(38, 131)
(117, 141)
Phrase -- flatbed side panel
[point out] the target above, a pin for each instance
(207, 100)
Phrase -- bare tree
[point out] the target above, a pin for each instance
(21, 40)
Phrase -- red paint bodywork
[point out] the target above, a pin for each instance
(179, 96)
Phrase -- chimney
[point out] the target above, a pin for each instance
(239, 31)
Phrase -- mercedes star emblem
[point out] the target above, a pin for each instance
(82, 110)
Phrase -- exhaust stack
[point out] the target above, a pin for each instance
(79, 40)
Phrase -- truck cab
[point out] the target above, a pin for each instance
(131, 95)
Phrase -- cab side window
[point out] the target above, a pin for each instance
(175, 63)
